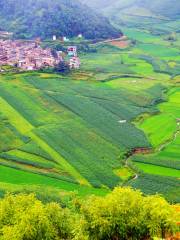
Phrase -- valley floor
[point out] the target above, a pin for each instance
(74, 132)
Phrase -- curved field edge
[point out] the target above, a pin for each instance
(24, 127)
(161, 128)
(21, 178)
(159, 170)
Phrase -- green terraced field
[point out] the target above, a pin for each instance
(72, 126)
(74, 131)
(22, 178)
(157, 170)
(162, 127)
(162, 130)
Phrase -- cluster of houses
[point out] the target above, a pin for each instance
(29, 55)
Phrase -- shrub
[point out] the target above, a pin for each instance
(123, 214)
(127, 214)
(23, 217)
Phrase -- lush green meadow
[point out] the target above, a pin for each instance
(159, 171)
(15, 180)
(75, 131)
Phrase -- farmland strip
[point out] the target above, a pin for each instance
(24, 127)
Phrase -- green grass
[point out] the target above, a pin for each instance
(26, 128)
(27, 158)
(103, 121)
(162, 127)
(9, 137)
(151, 184)
(76, 124)
(157, 50)
(22, 178)
(81, 147)
(171, 150)
(124, 173)
(167, 157)
(141, 36)
(158, 170)
(159, 128)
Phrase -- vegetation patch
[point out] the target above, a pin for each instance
(158, 170)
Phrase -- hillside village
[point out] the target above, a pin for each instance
(29, 55)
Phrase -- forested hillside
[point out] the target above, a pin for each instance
(43, 18)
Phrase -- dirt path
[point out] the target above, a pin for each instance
(135, 177)
(127, 165)
(123, 38)
(171, 140)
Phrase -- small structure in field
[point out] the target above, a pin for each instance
(65, 39)
(122, 121)
(54, 38)
(80, 35)
(74, 63)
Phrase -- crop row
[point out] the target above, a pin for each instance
(92, 156)
(152, 184)
(104, 122)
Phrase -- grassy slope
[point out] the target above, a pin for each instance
(24, 127)
(22, 178)
(158, 170)
(162, 127)
(49, 119)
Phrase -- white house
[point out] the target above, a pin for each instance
(65, 39)
(54, 38)
(80, 35)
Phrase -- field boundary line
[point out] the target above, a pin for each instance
(24, 127)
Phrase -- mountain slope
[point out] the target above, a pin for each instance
(166, 8)
(44, 18)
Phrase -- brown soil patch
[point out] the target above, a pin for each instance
(120, 44)
(142, 150)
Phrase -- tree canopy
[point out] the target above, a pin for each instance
(45, 18)
(123, 214)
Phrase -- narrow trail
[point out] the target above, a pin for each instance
(110, 40)
(158, 150)
(135, 177)
(164, 145)
(127, 165)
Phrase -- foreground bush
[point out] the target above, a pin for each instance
(23, 217)
(127, 214)
(124, 214)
